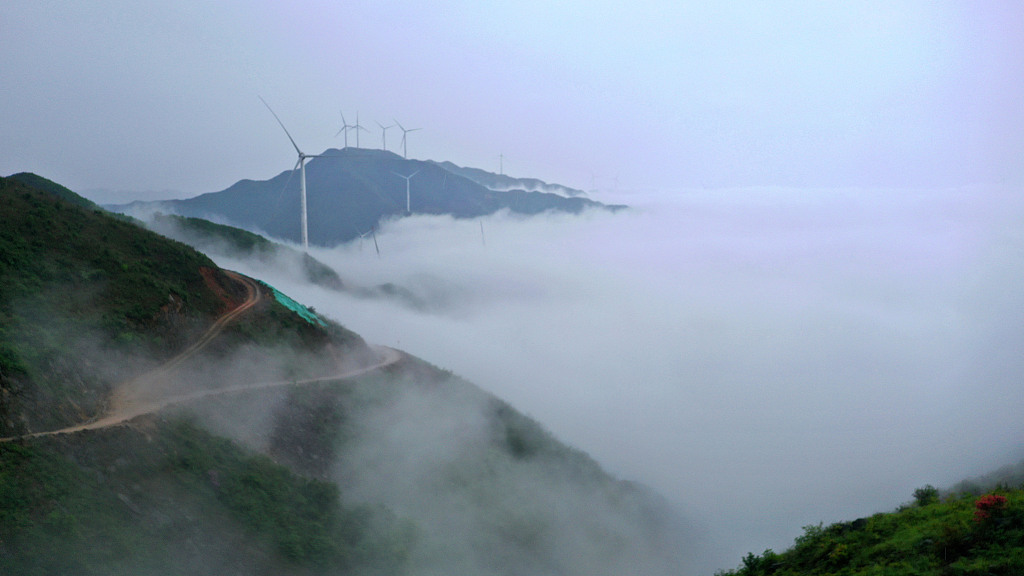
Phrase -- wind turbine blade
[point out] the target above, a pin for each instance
(413, 129)
(414, 173)
(399, 124)
(288, 181)
(282, 125)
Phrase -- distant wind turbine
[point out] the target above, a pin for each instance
(345, 127)
(404, 133)
(357, 128)
(408, 179)
(301, 165)
(384, 135)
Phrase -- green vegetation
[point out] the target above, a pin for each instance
(106, 506)
(39, 183)
(88, 299)
(236, 241)
(76, 280)
(79, 285)
(301, 518)
(962, 534)
(213, 238)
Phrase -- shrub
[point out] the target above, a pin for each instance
(988, 506)
(926, 495)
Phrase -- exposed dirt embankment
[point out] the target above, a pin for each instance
(231, 292)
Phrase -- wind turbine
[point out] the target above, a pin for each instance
(408, 179)
(357, 128)
(345, 126)
(384, 135)
(404, 132)
(301, 165)
(368, 233)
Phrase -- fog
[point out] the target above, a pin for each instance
(767, 358)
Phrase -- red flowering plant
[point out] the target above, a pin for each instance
(987, 506)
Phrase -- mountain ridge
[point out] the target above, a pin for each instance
(349, 192)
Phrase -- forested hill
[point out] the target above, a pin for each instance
(349, 191)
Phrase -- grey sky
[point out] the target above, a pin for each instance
(156, 96)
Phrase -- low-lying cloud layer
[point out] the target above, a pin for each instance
(766, 358)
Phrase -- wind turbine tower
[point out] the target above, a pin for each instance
(345, 127)
(408, 179)
(384, 135)
(301, 165)
(357, 128)
(404, 133)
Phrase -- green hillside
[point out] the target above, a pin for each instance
(75, 277)
(958, 534)
(80, 284)
(174, 499)
(39, 183)
(219, 239)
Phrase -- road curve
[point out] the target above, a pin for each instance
(388, 356)
(123, 410)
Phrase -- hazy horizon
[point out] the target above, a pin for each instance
(149, 97)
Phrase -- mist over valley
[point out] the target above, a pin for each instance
(824, 350)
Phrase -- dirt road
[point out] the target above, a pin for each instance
(124, 408)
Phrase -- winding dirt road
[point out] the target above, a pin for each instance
(123, 408)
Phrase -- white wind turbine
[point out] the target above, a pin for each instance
(301, 165)
(384, 135)
(408, 179)
(357, 128)
(345, 126)
(404, 132)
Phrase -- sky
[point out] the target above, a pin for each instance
(767, 358)
(125, 100)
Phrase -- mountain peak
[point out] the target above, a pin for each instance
(350, 190)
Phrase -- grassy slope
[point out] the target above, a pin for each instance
(79, 284)
(39, 183)
(117, 500)
(73, 279)
(213, 238)
(931, 537)
(175, 499)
